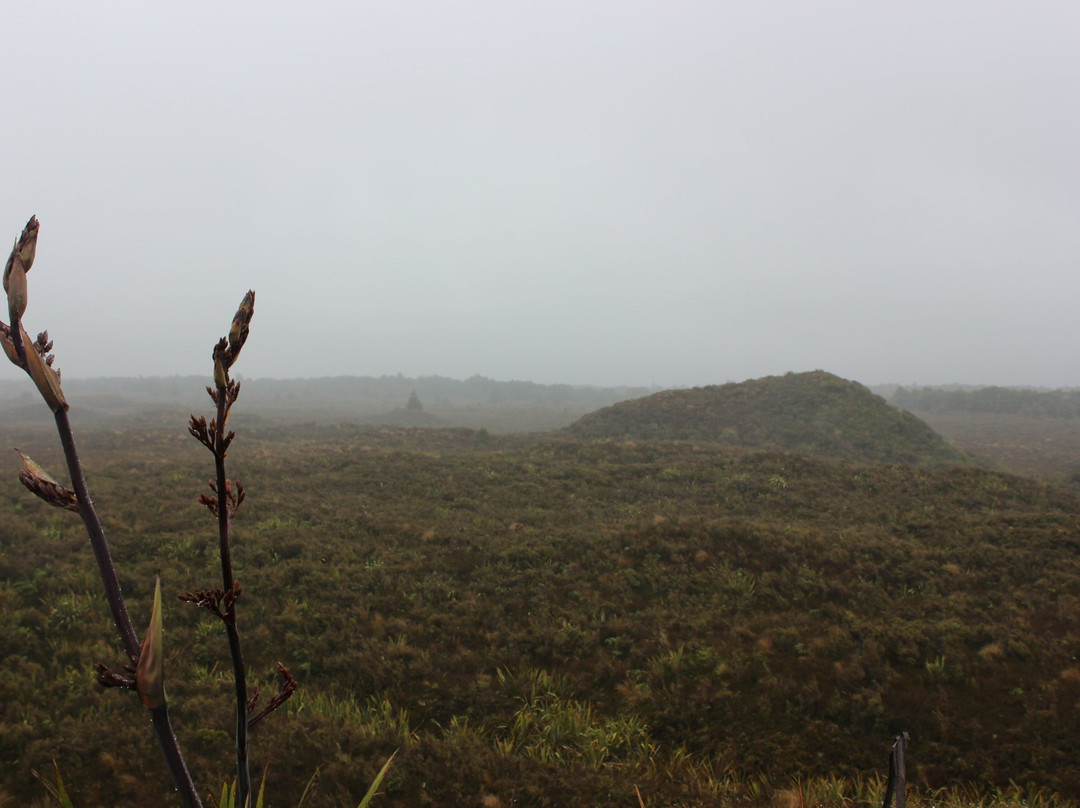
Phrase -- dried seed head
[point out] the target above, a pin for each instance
(150, 672)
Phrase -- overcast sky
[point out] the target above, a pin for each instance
(607, 193)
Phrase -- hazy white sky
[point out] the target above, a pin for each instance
(587, 192)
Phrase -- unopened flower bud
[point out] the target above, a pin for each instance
(221, 380)
(24, 250)
(41, 483)
(15, 286)
(238, 333)
(9, 346)
(150, 672)
(45, 378)
(10, 261)
(34, 469)
(28, 243)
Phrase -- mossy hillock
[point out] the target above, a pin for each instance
(815, 413)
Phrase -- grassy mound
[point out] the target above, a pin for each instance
(814, 413)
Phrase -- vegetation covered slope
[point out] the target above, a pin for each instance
(554, 622)
(1039, 446)
(813, 413)
(1010, 400)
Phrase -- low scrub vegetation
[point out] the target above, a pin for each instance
(530, 617)
(1011, 400)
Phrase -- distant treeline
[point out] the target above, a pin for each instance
(442, 391)
(476, 402)
(394, 390)
(386, 390)
(1022, 401)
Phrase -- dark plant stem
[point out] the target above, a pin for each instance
(98, 542)
(166, 738)
(224, 514)
(170, 750)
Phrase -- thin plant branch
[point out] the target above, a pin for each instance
(32, 356)
(222, 502)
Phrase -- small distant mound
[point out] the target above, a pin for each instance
(814, 413)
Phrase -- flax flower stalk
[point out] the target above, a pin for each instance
(223, 504)
(31, 357)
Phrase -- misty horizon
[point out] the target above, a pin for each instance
(14, 386)
(660, 195)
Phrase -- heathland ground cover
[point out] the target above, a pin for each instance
(531, 617)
